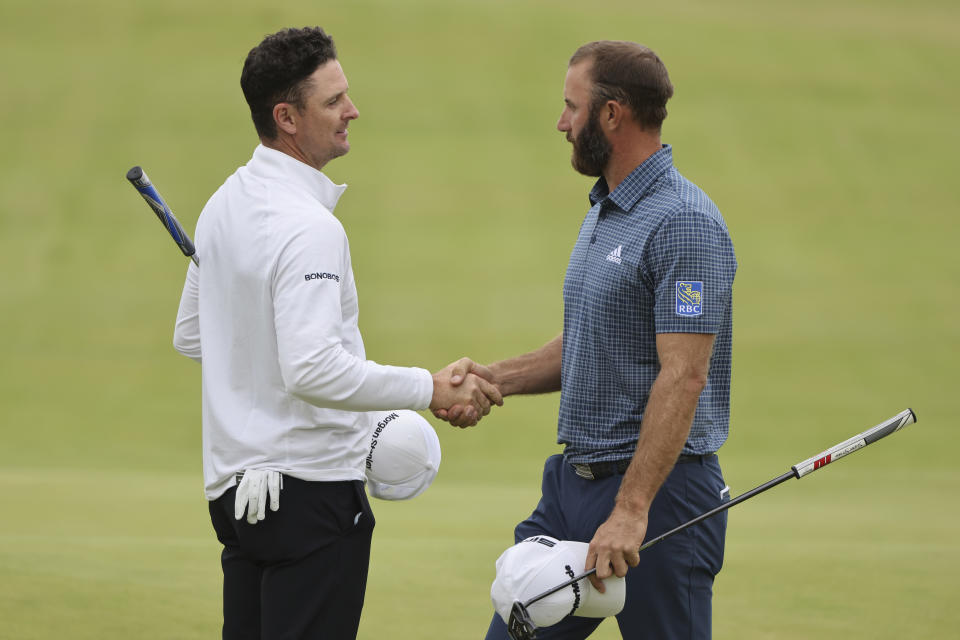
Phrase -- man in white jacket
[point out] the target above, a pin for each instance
(272, 315)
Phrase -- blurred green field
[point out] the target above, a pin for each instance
(825, 131)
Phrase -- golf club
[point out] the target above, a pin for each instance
(142, 183)
(520, 625)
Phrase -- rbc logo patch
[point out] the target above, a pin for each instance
(689, 298)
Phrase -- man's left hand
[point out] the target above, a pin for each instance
(615, 545)
(255, 488)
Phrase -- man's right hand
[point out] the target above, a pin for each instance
(469, 387)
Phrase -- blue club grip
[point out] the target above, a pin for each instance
(142, 184)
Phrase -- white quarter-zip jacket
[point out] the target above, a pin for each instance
(272, 316)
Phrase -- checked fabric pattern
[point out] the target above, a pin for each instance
(655, 231)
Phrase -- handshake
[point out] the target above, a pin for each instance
(463, 392)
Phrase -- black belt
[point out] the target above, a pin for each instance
(607, 468)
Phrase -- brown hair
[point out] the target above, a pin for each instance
(279, 69)
(631, 74)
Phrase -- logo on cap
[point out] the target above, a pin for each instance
(576, 589)
(545, 541)
(689, 298)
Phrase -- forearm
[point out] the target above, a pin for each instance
(665, 426)
(335, 379)
(534, 372)
(663, 432)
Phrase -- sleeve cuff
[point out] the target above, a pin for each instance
(424, 392)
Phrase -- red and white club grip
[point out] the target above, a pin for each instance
(855, 443)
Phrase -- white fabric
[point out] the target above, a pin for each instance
(404, 455)
(272, 314)
(540, 563)
(256, 486)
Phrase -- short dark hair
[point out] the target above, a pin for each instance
(630, 74)
(278, 70)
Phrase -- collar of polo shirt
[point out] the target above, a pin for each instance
(628, 192)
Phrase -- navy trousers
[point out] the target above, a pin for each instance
(669, 593)
(301, 572)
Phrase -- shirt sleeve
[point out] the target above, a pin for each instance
(186, 332)
(311, 268)
(692, 263)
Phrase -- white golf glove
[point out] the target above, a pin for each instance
(252, 494)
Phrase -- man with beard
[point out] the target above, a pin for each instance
(643, 363)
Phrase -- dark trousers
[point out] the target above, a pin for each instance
(301, 572)
(669, 593)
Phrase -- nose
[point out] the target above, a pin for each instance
(352, 112)
(563, 124)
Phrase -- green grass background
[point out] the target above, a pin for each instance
(826, 132)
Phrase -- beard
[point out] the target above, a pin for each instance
(591, 149)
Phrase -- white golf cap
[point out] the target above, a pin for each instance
(404, 455)
(540, 563)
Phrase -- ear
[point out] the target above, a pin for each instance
(285, 115)
(612, 115)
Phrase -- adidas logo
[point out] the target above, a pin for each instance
(614, 256)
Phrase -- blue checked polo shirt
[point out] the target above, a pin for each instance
(652, 257)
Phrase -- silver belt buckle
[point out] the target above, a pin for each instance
(583, 470)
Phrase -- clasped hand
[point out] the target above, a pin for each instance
(464, 389)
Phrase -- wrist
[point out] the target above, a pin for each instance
(631, 506)
(507, 384)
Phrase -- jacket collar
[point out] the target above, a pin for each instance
(277, 165)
